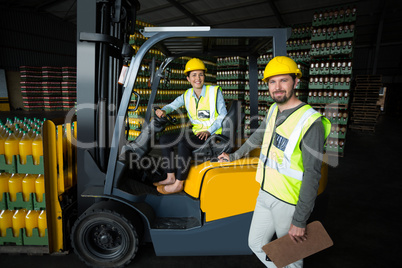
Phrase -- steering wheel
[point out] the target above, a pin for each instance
(167, 117)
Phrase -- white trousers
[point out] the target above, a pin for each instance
(270, 216)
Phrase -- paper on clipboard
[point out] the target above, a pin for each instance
(284, 251)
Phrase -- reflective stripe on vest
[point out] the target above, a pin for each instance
(205, 103)
(276, 173)
(285, 168)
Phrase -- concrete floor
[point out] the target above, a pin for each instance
(364, 194)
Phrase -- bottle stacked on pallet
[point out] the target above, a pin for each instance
(298, 48)
(23, 227)
(22, 186)
(21, 193)
(330, 78)
(22, 209)
(20, 140)
(231, 76)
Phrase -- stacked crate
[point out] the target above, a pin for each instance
(23, 215)
(51, 88)
(332, 39)
(31, 87)
(22, 194)
(231, 77)
(299, 44)
(298, 48)
(48, 88)
(27, 193)
(69, 87)
(364, 107)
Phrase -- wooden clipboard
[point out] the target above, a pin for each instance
(284, 251)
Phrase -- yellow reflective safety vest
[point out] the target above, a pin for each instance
(202, 113)
(280, 167)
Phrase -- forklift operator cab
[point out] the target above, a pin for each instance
(213, 214)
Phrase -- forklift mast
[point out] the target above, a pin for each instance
(103, 31)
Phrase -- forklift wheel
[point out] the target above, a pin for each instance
(103, 237)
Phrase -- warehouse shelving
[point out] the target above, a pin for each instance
(331, 70)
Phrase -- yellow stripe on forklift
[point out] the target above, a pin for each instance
(60, 174)
(53, 209)
(60, 163)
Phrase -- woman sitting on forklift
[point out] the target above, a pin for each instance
(206, 109)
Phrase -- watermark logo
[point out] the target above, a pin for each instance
(154, 128)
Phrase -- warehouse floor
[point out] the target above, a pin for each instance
(364, 194)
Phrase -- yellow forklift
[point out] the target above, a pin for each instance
(118, 208)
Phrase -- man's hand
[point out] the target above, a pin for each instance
(223, 157)
(297, 234)
(203, 135)
(160, 113)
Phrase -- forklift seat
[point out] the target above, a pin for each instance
(225, 142)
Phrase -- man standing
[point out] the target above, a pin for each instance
(292, 142)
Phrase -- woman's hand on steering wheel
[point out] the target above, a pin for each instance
(203, 135)
(162, 114)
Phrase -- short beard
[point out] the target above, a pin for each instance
(285, 98)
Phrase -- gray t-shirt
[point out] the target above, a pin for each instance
(312, 147)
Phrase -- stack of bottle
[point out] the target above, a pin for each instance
(232, 84)
(22, 209)
(22, 190)
(23, 227)
(137, 39)
(231, 73)
(339, 119)
(328, 96)
(20, 143)
(229, 95)
(299, 44)
(231, 61)
(264, 58)
(231, 77)
(22, 187)
(331, 69)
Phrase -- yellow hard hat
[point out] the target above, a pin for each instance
(194, 64)
(281, 65)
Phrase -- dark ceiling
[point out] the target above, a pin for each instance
(245, 14)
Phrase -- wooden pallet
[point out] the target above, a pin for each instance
(368, 87)
(363, 107)
(362, 128)
(364, 103)
(366, 114)
(368, 79)
(363, 121)
(366, 94)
